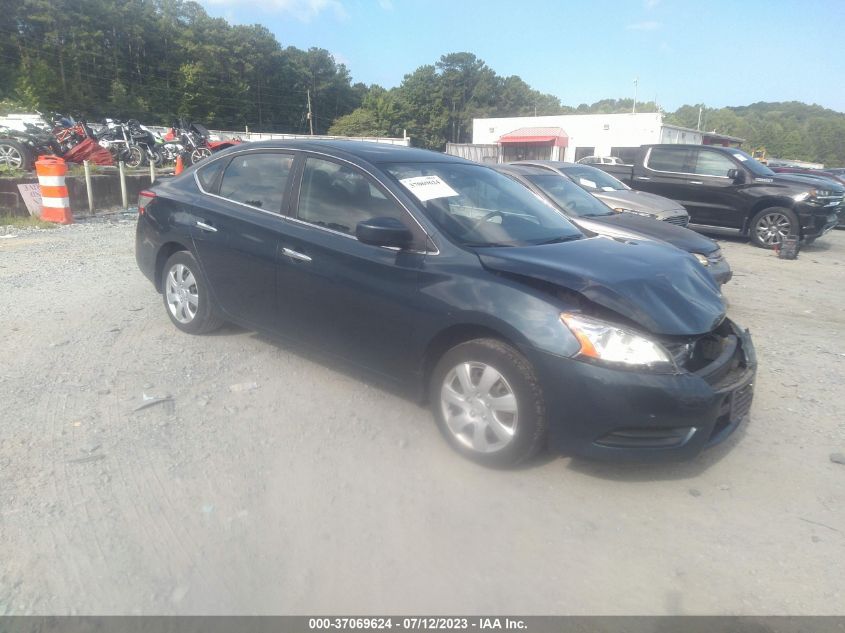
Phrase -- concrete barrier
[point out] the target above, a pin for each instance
(106, 189)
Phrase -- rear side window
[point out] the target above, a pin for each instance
(208, 175)
(677, 159)
(258, 180)
(338, 197)
(711, 163)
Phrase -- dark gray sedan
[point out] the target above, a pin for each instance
(615, 193)
(594, 216)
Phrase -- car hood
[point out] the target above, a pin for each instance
(658, 287)
(640, 201)
(809, 180)
(637, 226)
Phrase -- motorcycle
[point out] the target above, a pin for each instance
(69, 132)
(148, 141)
(116, 137)
(197, 140)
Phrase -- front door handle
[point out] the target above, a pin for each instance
(206, 227)
(695, 182)
(642, 178)
(297, 256)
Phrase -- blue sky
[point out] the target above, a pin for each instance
(719, 52)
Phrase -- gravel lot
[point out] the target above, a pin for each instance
(273, 482)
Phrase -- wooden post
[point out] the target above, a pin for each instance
(88, 186)
(152, 172)
(122, 168)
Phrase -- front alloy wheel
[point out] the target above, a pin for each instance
(771, 227)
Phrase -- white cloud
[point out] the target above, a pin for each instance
(302, 10)
(650, 4)
(387, 5)
(649, 25)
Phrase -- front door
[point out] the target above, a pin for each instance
(353, 299)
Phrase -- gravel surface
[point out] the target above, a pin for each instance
(144, 471)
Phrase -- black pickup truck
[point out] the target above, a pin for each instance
(725, 189)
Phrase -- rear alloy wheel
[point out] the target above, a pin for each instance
(488, 403)
(199, 153)
(13, 155)
(771, 226)
(186, 297)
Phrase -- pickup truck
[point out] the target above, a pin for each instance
(726, 190)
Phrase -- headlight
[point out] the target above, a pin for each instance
(702, 259)
(716, 256)
(611, 344)
(800, 197)
(626, 210)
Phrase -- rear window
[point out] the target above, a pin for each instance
(208, 175)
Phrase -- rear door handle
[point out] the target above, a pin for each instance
(295, 255)
(642, 178)
(695, 182)
(206, 227)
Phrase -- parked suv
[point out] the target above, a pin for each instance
(725, 189)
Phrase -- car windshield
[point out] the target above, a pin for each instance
(755, 167)
(476, 206)
(594, 179)
(569, 196)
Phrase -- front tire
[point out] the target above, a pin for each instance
(135, 157)
(488, 403)
(187, 299)
(199, 153)
(771, 226)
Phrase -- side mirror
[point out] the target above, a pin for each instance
(737, 175)
(384, 231)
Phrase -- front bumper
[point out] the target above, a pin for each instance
(815, 222)
(612, 414)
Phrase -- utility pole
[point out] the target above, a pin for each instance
(698, 126)
(634, 105)
(310, 114)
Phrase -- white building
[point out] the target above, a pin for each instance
(571, 137)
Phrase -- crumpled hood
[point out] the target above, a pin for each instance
(657, 286)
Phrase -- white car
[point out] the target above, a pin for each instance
(601, 160)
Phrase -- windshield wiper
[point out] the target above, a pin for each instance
(486, 244)
(559, 239)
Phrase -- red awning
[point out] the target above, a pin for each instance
(551, 135)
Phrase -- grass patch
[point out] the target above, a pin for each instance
(26, 222)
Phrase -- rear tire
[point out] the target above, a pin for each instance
(186, 295)
(488, 404)
(199, 153)
(771, 226)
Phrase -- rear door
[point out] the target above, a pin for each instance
(353, 299)
(237, 230)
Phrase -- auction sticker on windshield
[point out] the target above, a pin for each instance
(428, 188)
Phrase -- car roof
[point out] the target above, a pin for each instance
(519, 170)
(364, 150)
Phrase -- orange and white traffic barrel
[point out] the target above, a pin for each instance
(55, 203)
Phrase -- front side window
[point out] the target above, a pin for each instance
(338, 197)
(257, 179)
(476, 206)
(713, 164)
(672, 159)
